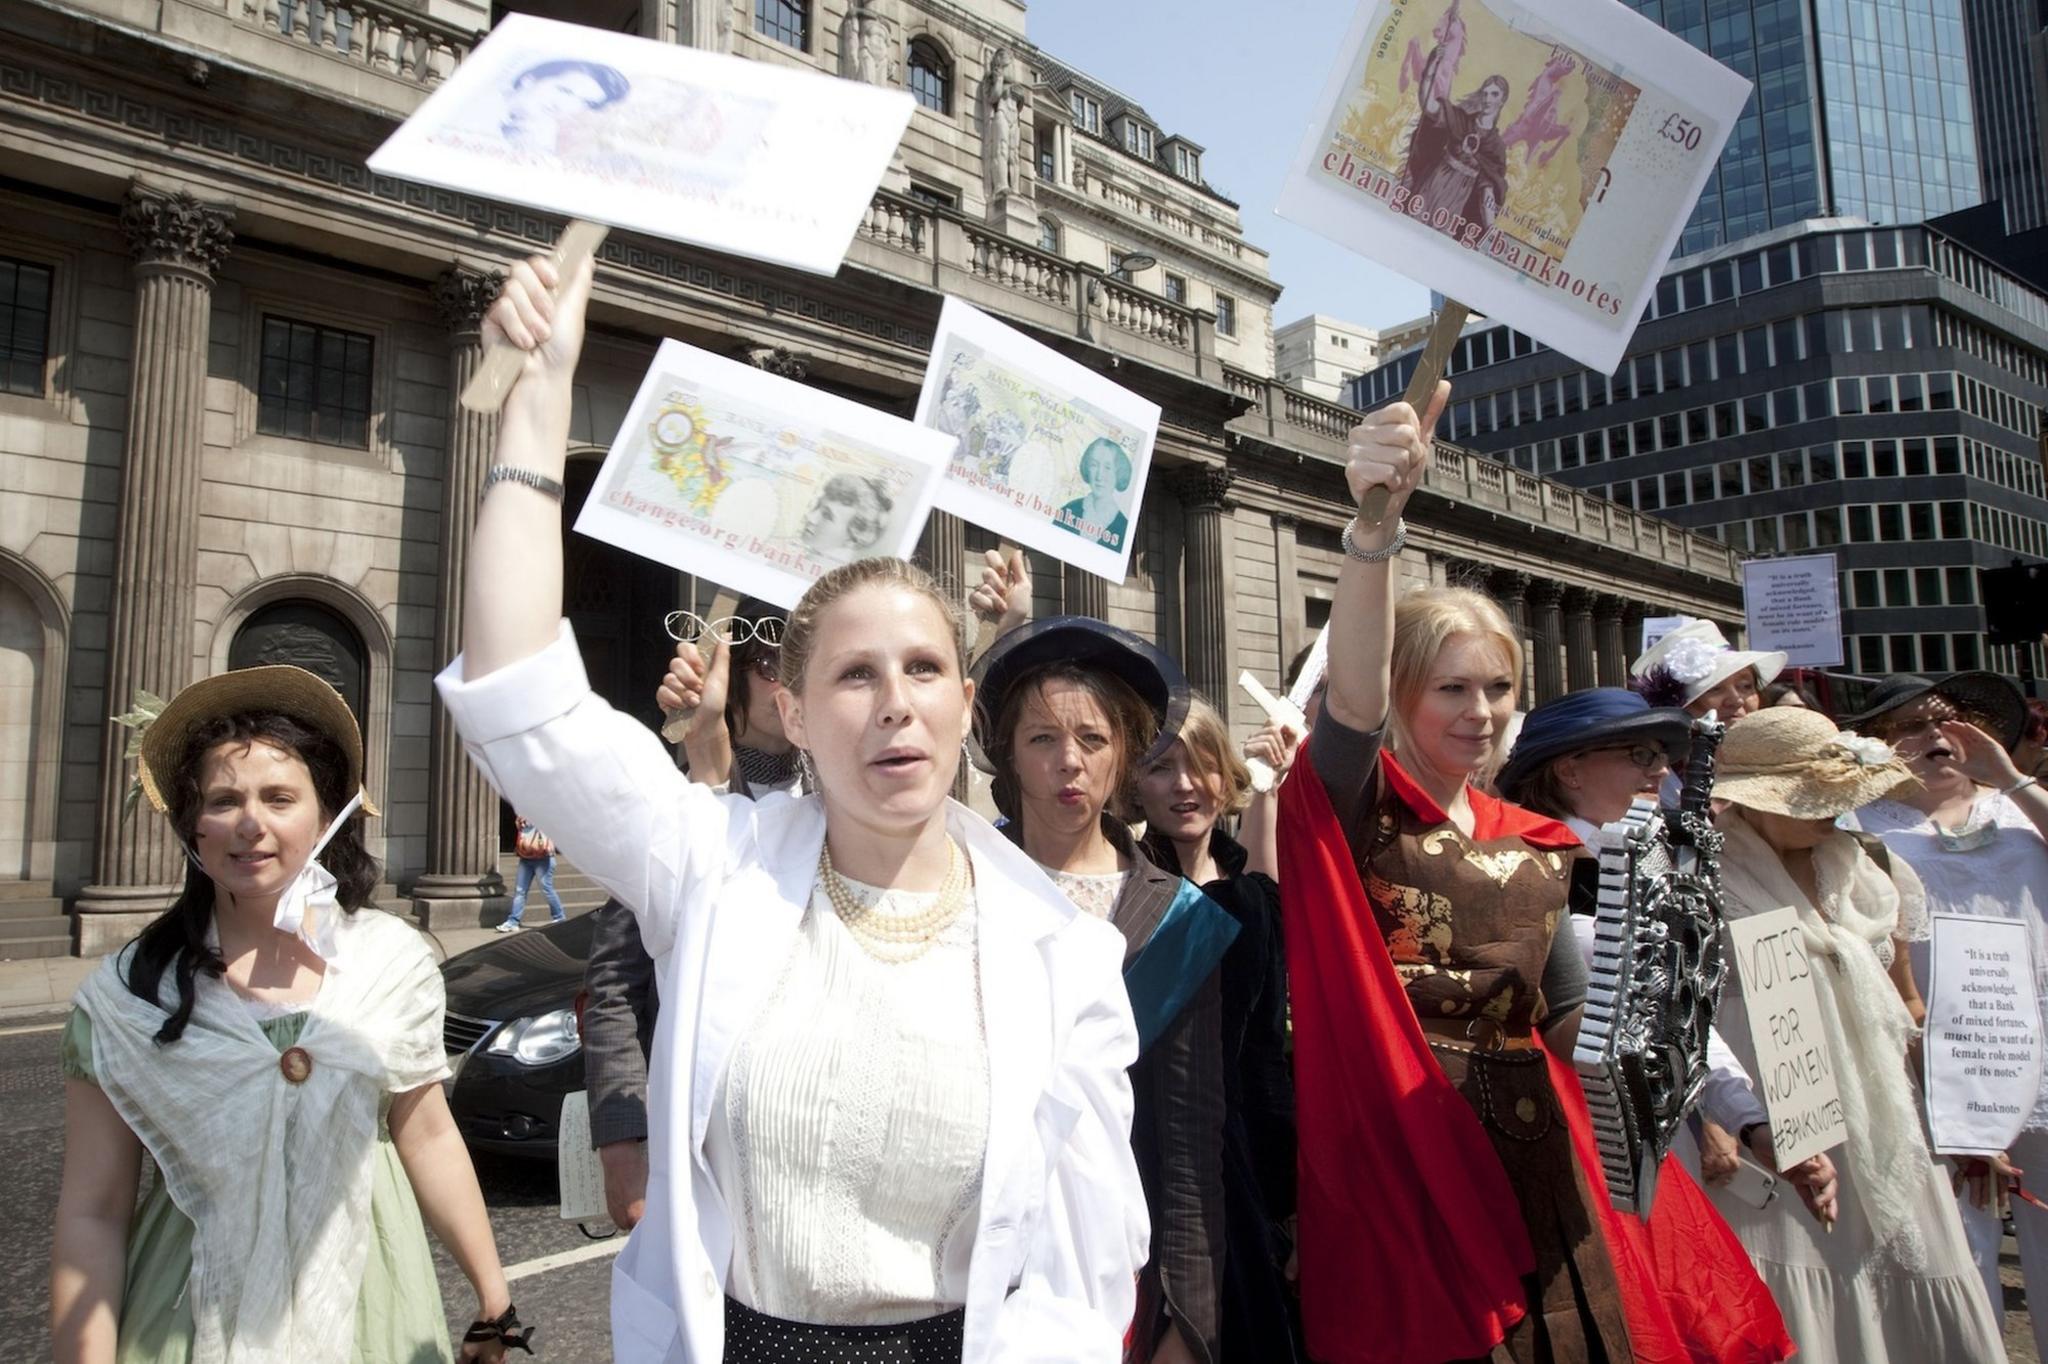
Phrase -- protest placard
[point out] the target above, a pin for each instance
(1795, 605)
(1533, 159)
(1795, 1073)
(757, 482)
(1047, 452)
(1656, 627)
(1983, 1042)
(743, 156)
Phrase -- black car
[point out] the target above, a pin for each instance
(515, 1035)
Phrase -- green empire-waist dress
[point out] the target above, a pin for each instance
(399, 1318)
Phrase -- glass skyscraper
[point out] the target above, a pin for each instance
(2009, 71)
(1862, 107)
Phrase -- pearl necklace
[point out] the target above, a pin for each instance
(896, 937)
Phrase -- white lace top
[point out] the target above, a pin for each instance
(849, 1131)
(1092, 892)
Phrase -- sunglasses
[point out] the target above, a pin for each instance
(687, 627)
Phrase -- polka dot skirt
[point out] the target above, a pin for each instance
(755, 1338)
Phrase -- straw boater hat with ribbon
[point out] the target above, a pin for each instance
(1694, 659)
(165, 730)
(1787, 760)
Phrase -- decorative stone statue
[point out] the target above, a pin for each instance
(867, 44)
(999, 115)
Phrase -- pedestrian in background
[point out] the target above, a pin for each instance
(536, 859)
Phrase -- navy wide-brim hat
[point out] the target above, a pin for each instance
(1598, 717)
(1091, 643)
(1988, 696)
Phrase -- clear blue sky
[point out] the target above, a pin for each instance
(1240, 78)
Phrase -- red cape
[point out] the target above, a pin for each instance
(1428, 1265)
(1412, 1247)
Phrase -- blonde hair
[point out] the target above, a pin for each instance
(822, 594)
(1213, 755)
(1424, 621)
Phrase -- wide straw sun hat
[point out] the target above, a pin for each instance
(281, 688)
(1787, 760)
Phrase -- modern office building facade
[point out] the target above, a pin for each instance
(2009, 84)
(1862, 109)
(1871, 392)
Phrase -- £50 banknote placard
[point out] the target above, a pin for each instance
(1532, 159)
(747, 157)
(757, 482)
(1046, 452)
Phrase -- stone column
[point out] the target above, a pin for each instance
(178, 243)
(1510, 587)
(461, 887)
(1579, 663)
(943, 547)
(1546, 596)
(1607, 628)
(1083, 593)
(1204, 493)
(1633, 614)
(1287, 585)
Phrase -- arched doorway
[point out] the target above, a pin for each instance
(310, 636)
(21, 708)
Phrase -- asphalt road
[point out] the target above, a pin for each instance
(563, 1278)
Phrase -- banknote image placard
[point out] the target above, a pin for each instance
(757, 482)
(1046, 452)
(1533, 159)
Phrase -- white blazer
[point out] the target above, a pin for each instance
(719, 884)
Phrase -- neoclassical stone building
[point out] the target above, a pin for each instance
(228, 355)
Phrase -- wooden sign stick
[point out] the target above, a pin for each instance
(486, 390)
(722, 606)
(1429, 367)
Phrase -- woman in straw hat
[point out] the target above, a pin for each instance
(1874, 1269)
(889, 1119)
(276, 1051)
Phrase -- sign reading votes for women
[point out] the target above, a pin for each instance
(1795, 1071)
(1532, 159)
(748, 157)
(1047, 452)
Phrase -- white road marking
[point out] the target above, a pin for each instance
(596, 1250)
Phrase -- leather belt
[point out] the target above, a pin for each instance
(1476, 1034)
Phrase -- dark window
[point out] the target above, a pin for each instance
(1962, 586)
(1226, 315)
(24, 326)
(1927, 581)
(1048, 163)
(1855, 459)
(1941, 392)
(314, 383)
(1880, 390)
(1817, 401)
(786, 21)
(1849, 397)
(1791, 469)
(1954, 525)
(1176, 290)
(933, 198)
(1870, 649)
(931, 77)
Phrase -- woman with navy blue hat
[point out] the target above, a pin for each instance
(1587, 756)
(1066, 710)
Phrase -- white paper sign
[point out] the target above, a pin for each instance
(1656, 627)
(578, 1170)
(1795, 605)
(756, 482)
(1983, 1044)
(744, 156)
(1533, 159)
(1795, 1072)
(1048, 452)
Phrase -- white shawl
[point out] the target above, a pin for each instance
(1867, 1027)
(275, 1176)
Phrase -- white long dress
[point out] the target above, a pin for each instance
(1842, 1301)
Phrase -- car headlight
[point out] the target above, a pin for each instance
(538, 1041)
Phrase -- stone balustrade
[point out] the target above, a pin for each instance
(1148, 315)
(384, 37)
(898, 223)
(1009, 264)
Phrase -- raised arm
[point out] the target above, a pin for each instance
(1389, 449)
(512, 602)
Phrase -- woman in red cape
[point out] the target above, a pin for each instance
(1446, 1212)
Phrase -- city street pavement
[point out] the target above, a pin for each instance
(562, 1280)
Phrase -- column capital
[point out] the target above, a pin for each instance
(177, 229)
(1201, 486)
(1510, 584)
(1286, 520)
(1607, 606)
(462, 296)
(1546, 593)
(780, 361)
(1578, 601)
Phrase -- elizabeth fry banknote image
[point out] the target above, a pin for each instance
(1465, 116)
(1055, 456)
(584, 117)
(710, 468)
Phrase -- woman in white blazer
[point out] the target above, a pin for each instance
(888, 1112)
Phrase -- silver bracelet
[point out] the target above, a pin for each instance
(2022, 784)
(1375, 556)
(507, 473)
